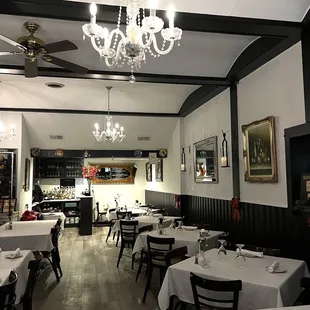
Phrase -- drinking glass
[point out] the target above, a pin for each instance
(240, 258)
(180, 226)
(221, 252)
(202, 260)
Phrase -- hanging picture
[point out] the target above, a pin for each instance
(260, 162)
(159, 170)
(148, 172)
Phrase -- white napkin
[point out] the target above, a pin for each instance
(14, 254)
(274, 266)
(248, 253)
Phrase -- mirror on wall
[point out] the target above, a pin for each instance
(205, 161)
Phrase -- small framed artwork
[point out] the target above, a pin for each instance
(13, 202)
(148, 172)
(159, 170)
(1, 205)
(27, 175)
(6, 205)
(260, 161)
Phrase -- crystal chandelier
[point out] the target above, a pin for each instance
(117, 48)
(110, 133)
(6, 134)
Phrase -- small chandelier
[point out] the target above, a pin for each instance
(6, 134)
(117, 48)
(110, 133)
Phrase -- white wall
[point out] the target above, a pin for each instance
(208, 121)
(171, 167)
(276, 89)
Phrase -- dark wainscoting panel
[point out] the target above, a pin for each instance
(163, 201)
(260, 225)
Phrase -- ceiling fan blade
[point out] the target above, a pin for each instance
(8, 40)
(65, 64)
(31, 69)
(11, 53)
(60, 46)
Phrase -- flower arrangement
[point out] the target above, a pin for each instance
(89, 173)
(117, 200)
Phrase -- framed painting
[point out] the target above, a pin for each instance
(148, 172)
(259, 151)
(6, 205)
(27, 175)
(159, 171)
(13, 202)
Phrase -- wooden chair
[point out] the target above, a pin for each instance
(157, 248)
(121, 215)
(111, 224)
(7, 293)
(34, 267)
(233, 287)
(143, 254)
(128, 237)
(175, 256)
(99, 214)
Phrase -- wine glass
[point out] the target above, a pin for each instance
(221, 252)
(180, 226)
(240, 258)
(202, 260)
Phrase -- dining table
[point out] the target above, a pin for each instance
(20, 266)
(307, 307)
(260, 288)
(55, 216)
(134, 211)
(146, 220)
(188, 238)
(27, 235)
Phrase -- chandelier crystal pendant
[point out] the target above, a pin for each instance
(117, 48)
(114, 133)
(6, 133)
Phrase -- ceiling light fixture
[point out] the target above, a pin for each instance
(117, 48)
(6, 133)
(110, 133)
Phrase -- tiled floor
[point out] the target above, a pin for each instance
(91, 280)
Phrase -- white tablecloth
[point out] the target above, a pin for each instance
(146, 220)
(135, 211)
(55, 216)
(260, 289)
(184, 238)
(292, 308)
(20, 266)
(32, 235)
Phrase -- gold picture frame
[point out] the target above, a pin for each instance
(259, 151)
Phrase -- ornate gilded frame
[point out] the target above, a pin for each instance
(268, 178)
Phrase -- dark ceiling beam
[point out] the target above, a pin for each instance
(75, 11)
(199, 97)
(120, 76)
(88, 112)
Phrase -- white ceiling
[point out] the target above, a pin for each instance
(200, 54)
(289, 10)
(77, 131)
(83, 94)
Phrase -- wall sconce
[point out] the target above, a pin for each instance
(183, 158)
(224, 154)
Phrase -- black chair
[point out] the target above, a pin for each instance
(7, 293)
(121, 215)
(99, 214)
(304, 298)
(233, 287)
(111, 224)
(175, 256)
(265, 251)
(143, 254)
(34, 267)
(128, 237)
(157, 248)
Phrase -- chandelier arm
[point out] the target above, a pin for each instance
(165, 52)
(148, 42)
(94, 44)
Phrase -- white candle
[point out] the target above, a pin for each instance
(93, 12)
(223, 161)
(170, 14)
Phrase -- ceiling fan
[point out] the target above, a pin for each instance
(33, 48)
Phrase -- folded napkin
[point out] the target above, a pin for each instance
(274, 266)
(14, 254)
(248, 253)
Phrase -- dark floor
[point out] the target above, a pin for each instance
(91, 280)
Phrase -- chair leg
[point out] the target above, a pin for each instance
(120, 253)
(133, 261)
(113, 234)
(118, 234)
(140, 266)
(148, 283)
(97, 220)
(183, 305)
(55, 269)
(109, 233)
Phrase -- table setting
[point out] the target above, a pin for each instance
(267, 281)
(17, 261)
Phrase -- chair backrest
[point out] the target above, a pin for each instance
(158, 248)
(145, 228)
(34, 267)
(305, 283)
(7, 293)
(175, 256)
(128, 231)
(55, 232)
(232, 287)
(122, 214)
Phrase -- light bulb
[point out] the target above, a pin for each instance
(117, 125)
(108, 124)
(171, 16)
(93, 9)
(97, 126)
(122, 128)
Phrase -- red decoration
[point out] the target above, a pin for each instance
(89, 172)
(177, 201)
(29, 216)
(235, 203)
